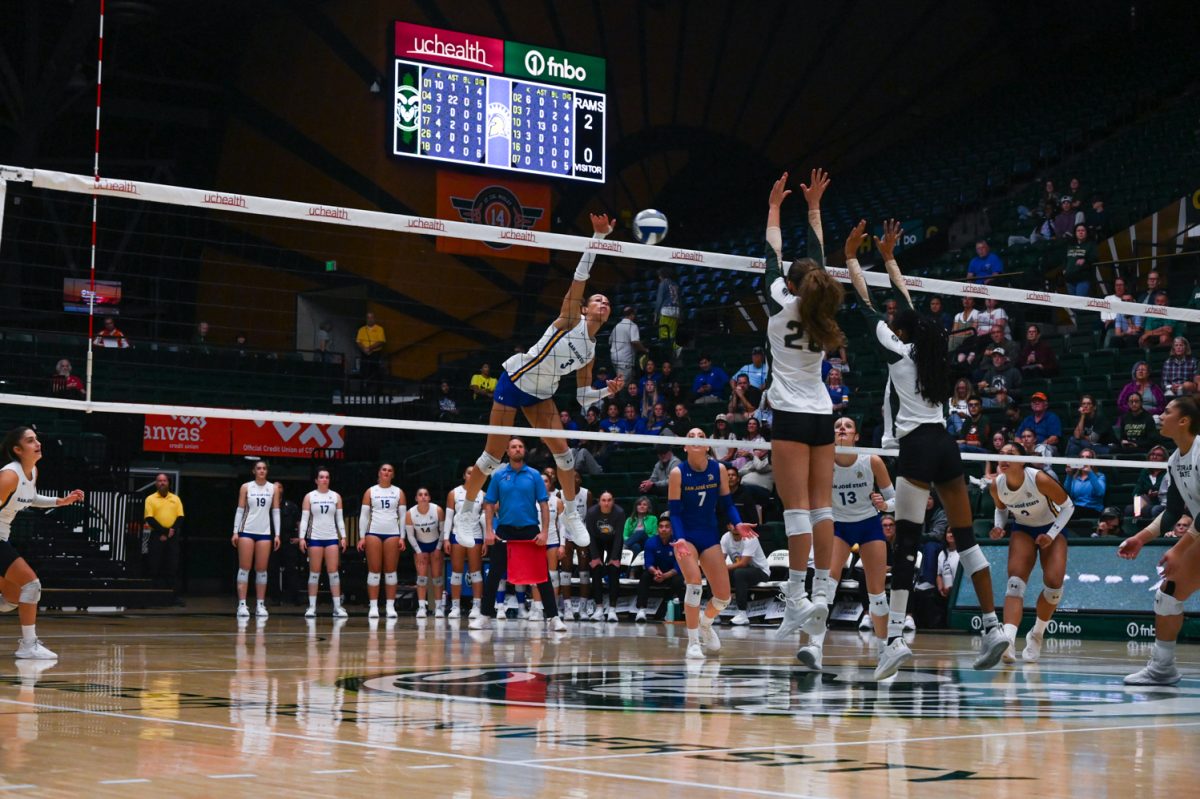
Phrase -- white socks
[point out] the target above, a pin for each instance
(989, 620)
(1010, 632)
(1039, 626)
(796, 583)
(693, 635)
(312, 601)
(29, 635)
(898, 610)
(1164, 651)
(337, 602)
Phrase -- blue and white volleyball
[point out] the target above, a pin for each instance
(650, 226)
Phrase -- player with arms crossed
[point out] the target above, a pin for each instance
(1181, 564)
(915, 350)
(257, 512)
(1041, 509)
(381, 536)
(529, 381)
(695, 489)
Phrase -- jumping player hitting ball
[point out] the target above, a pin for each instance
(914, 348)
(695, 489)
(1041, 510)
(529, 381)
(20, 587)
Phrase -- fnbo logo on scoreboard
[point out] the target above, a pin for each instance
(554, 66)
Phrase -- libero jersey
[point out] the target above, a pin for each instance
(794, 383)
(558, 352)
(259, 499)
(385, 510)
(1028, 506)
(852, 488)
(21, 498)
(1185, 475)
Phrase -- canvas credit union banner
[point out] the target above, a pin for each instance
(502, 203)
(194, 434)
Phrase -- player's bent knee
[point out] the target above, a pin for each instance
(565, 460)
(31, 592)
(476, 577)
(691, 595)
(797, 521)
(818, 515)
(719, 603)
(1166, 605)
(6, 606)
(973, 560)
(878, 604)
(487, 464)
(1016, 587)
(1052, 595)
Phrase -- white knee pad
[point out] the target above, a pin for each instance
(565, 461)
(260, 578)
(1164, 605)
(487, 464)
(456, 578)
(6, 606)
(243, 575)
(335, 579)
(554, 578)
(691, 595)
(373, 578)
(422, 581)
(1016, 587)
(1052, 595)
(877, 604)
(820, 515)
(910, 501)
(719, 604)
(973, 560)
(391, 578)
(31, 592)
(797, 522)
(585, 577)
(476, 577)
(314, 578)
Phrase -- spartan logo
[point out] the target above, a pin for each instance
(408, 108)
(499, 207)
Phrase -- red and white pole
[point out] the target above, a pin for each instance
(95, 198)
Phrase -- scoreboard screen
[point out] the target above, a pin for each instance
(551, 126)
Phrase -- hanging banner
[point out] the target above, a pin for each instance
(519, 207)
(285, 439)
(194, 434)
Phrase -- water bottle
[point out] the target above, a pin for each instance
(671, 611)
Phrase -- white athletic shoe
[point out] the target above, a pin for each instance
(390, 609)
(801, 613)
(810, 656)
(910, 625)
(740, 619)
(475, 612)
(641, 615)
(597, 613)
(589, 607)
(340, 613)
(469, 527)
(576, 531)
(34, 650)
(455, 612)
(891, 658)
(311, 613)
(612, 615)
(709, 637)
(421, 611)
(525, 614)
(1010, 654)
(558, 625)
(373, 613)
(536, 614)
(694, 652)
(1155, 673)
(243, 612)
(1033, 647)
(866, 623)
(994, 644)
(480, 622)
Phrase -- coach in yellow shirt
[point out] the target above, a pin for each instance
(370, 340)
(164, 517)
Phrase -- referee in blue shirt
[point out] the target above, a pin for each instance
(524, 511)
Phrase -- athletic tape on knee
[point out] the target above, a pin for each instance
(877, 604)
(391, 578)
(243, 575)
(335, 579)
(487, 464)
(476, 577)
(1164, 604)
(691, 595)
(456, 578)
(422, 581)
(260, 578)
(820, 515)
(972, 560)
(1016, 588)
(797, 521)
(1052, 595)
(314, 578)
(31, 592)
(585, 577)
(719, 604)
(964, 537)
(910, 501)
(373, 578)
(565, 461)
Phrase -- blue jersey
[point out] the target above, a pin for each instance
(700, 493)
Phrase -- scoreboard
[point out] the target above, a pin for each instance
(541, 116)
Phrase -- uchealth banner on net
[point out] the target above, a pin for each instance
(515, 205)
(201, 435)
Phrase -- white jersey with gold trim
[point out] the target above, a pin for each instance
(1028, 506)
(558, 352)
(852, 489)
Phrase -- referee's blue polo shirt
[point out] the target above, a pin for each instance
(518, 492)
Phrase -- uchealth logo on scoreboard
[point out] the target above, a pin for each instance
(448, 47)
(498, 206)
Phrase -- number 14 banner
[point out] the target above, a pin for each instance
(524, 207)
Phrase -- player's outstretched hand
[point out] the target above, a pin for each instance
(73, 497)
(779, 192)
(818, 181)
(1130, 548)
(746, 530)
(891, 235)
(602, 224)
(615, 386)
(858, 234)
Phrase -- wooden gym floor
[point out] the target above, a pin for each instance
(189, 704)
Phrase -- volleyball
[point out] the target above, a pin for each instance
(650, 226)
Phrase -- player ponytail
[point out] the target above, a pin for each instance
(12, 440)
(929, 354)
(820, 297)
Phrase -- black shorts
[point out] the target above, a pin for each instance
(814, 429)
(8, 556)
(929, 455)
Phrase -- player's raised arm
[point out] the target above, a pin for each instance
(572, 305)
(887, 248)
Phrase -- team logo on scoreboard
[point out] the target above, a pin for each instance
(499, 207)
(499, 121)
(408, 108)
(1081, 692)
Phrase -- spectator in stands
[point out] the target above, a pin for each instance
(957, 405)
(1109, 523)
(625, 344)
(631, 394)
(668, 385)
(659, 423)
(985, 265)
(1092, 430)
(1148, 497)
(240, 343)
(1076, 193)
(765, 416)
(585, 461)
(747, 564)
(650, 374)
(997, 441)
(1158, 332)
(757, 370)
(1044, 423)
(1153, 286)
(1080, 268)
(163, 516)
(64, 384)
(1136, 430)
(1096, 219)
(483, 385)
(447, 407)
(611, 423)
(975, 430)
(962, 329)
(744, 400)
(605, 523)
(1043, 226)
(992, 316)
(640, 525)
(1049, 194)
(110, 336)
(660, 568)
(721, 429)
(839, 394)
(668, 307)
(1181, 527)
(938, 313)
(1126, 328)
(631, 422)
(997, 338)
(1180, 373)
(1065, 219)
(1086, 486)
(1109, 318)
(200, 337)
(370, 340)
(711, 384)
(747, 507)
(1037, 358)
(1153, 399)
(947, 566)
(889, 311)
(758, 478)
(650, 397)
(682, 420)
(1012, 420)
(656, 483)
(1000, 381)
(1031, 447)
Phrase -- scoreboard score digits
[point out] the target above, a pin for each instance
(539, 118)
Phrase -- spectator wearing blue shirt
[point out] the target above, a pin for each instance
(518, 505)
(660, 568)
(712, 384)
(611, 423)
(757, 370)
(658, 421)
(631, 422)
(838, 393)
(985, 265)
(1086, 488)
(1045, 424)
(569, 423)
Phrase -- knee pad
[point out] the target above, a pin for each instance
(335, 579)
(1164, 604)
(260, 578)
(972, 560)
(6, 606)
(1016, 588)
(391, 578)
(691, 595)
(31, 592)
(719, 604)
(585, 577)
(456, 578)
(373, 578)
(877, 604)
(243, 575)
(797, 521)
(476, 577)
(422, 581)
(910, 501)
(964, 537)
(314, 578)
(554, 578)
(487, 464)
(1052, 595)
(820, 515)
(565, 461)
